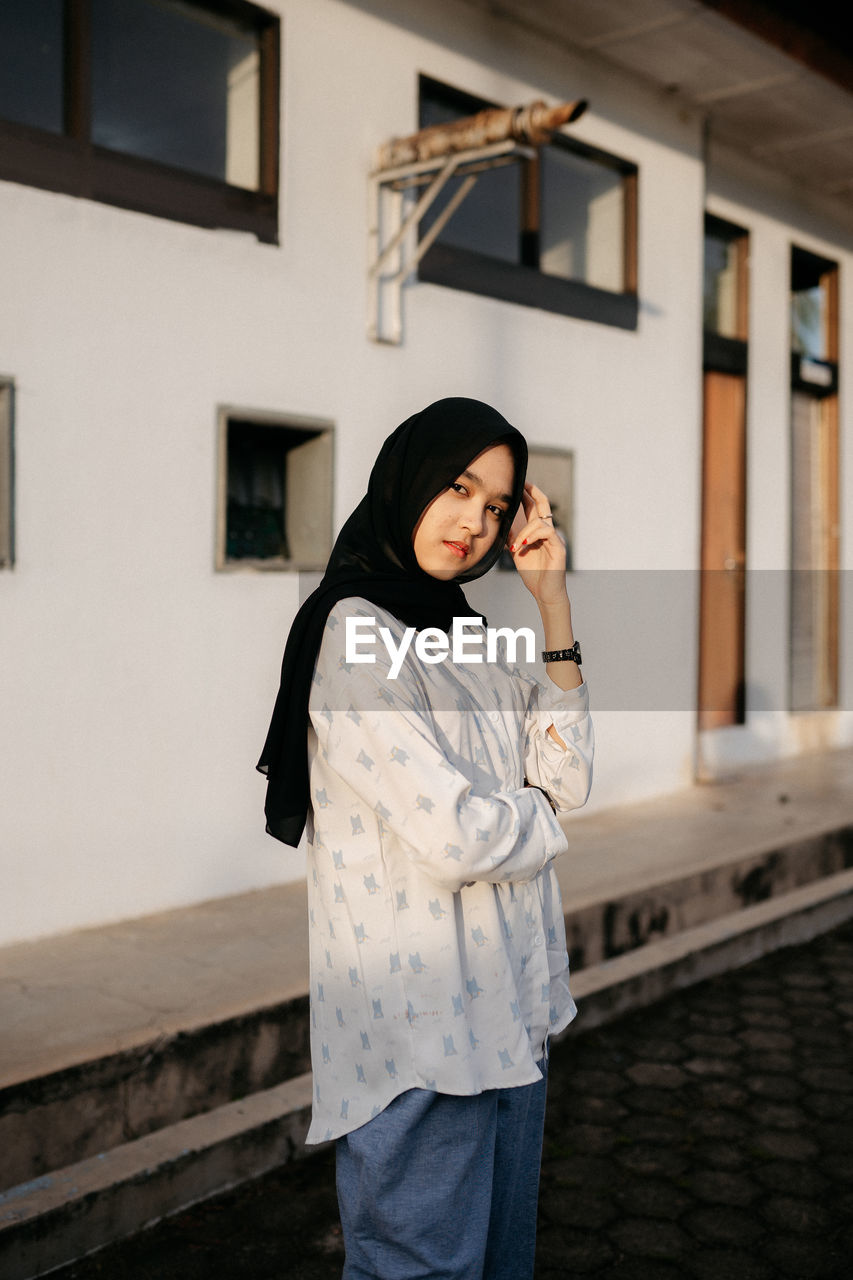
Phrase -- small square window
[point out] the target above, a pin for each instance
(552, 471)
(275, 492)
(7, 543)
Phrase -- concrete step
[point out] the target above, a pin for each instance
(111, 1033)
(61, 1216)
(623, 921)
(637, 978)
(155, 1062)
(64, 1215)
(60, 1117)
(64, 1116)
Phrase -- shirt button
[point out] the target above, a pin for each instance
(494, 715)
(538, 940)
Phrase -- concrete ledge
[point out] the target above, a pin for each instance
(619, 923)
(63, 1117)
(64, 1215)
(58, 1118)
(651, 972)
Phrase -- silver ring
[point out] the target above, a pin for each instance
(548, 517)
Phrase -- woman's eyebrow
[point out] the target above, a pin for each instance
(472, 475)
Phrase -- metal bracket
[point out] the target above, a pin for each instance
(394, 212)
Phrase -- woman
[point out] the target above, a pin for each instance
(438, 958)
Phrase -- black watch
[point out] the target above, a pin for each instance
(563, 655)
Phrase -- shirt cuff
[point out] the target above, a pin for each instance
(554, 836)
(561, 707)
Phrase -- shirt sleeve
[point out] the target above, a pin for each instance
(565, 774)
(377, 734)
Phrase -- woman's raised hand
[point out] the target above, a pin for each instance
(537, 549)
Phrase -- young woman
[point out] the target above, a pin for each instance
(428, 786)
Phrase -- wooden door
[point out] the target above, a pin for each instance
(723, 557)
(814, 551)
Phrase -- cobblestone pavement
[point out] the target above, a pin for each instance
(708, 1136)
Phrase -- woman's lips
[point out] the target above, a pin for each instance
(458, 548)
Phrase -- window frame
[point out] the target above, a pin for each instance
(318, 427)
(523, 282)
(70, 163)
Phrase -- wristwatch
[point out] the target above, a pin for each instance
(563, 655)
(534, 787)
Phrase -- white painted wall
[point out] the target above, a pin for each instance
(136, 682)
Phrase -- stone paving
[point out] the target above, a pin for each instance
(710, 1136)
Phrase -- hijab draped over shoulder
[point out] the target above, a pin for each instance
(373, 557)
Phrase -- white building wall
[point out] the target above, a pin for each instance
(776, 218)
(136, 682)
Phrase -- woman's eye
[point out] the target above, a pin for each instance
(458, 488)
(497, 511)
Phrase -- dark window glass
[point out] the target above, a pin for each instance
(278, 495)
(31, 62)
(487, 221)
(175, 84)
(810, 304)
(720, 290)
(256, 525)
(724, 285)
(808, 323)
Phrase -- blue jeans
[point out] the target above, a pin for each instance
(438, 1187)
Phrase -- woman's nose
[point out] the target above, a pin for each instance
(473, 518)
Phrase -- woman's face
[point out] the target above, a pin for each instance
(460, 525)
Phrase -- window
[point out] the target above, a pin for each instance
(275, 491)
(725, 296)
(159, 105)
(552, 470)
(556, 232)
(813, 305)
(7, 542)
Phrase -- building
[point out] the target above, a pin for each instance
(190, 395)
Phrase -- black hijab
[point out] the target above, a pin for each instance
(373, 557)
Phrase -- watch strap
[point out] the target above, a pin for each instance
(563, 655)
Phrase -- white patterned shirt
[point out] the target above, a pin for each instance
(437, 944)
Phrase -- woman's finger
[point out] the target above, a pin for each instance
(518, 523)
(539, 500)
(528, 502)
(538, 529)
